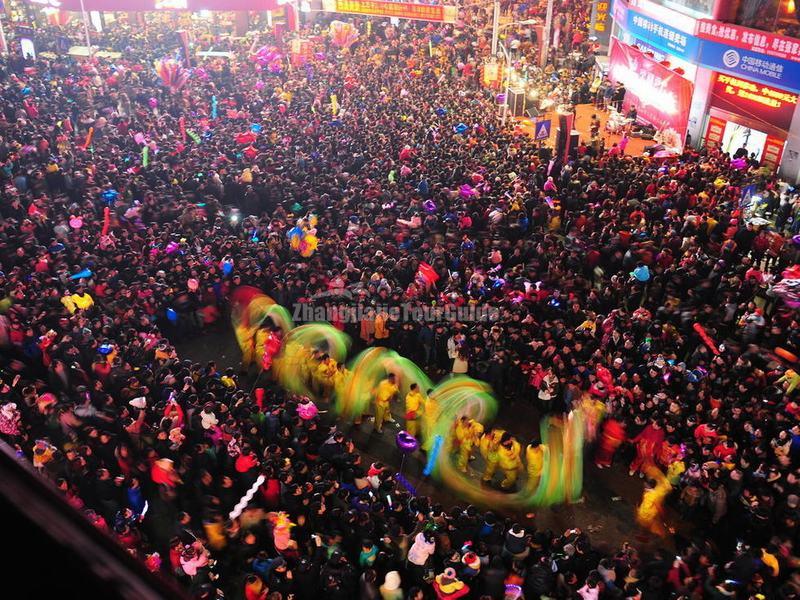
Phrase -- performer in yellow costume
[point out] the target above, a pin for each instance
(649, 511)
(509, 460)
(467, 434)
(490, 442)
(414, 403)
(386, 391)
(324, 376)
(430, 414)
(535, 455)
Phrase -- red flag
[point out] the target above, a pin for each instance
(427, 273)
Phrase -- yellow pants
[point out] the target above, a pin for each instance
(491, 467)
(510, 479)
(381, 416)
(463, 456)
(412, 426)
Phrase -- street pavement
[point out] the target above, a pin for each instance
(606, 511)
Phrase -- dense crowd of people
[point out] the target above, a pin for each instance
(633, 290)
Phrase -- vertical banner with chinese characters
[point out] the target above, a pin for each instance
(715, 131)
(600, 26)
(491, 74)
(773, 150)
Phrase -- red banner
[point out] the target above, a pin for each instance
(773, 149)
(754, 40)
(715, 132)
(400, 10)
(662, 97)
(159, 5)
(754, 100)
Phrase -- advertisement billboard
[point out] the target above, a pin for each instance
(662, 97)
(753, 40)
(399, 10)
(163, 5)
(750, 65)
(754, 100)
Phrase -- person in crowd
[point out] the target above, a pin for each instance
(623, 280)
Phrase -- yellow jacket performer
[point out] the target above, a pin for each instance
(467, 433)
(490, 443)
(509, 455)
(430, 415)
(535, 457)
(386, 391)
(414, 403)
(324, 376)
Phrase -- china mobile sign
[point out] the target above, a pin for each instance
(662, 97)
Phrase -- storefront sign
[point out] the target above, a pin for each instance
(750, 65)
(661, 96)
(399, 10)
(148, 5)
(662, 14)
(715, 132)
(773, 150)
(754, 100)
(600, 26)
(754, 40)
(665, 37)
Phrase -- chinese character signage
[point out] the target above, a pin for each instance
(399, 10)
(600, 26)
(661, 96)
(750, 65)
(773, 149)
(753, 40)
(715, 132)
(148, 5)
(664, 37)
(748, 98)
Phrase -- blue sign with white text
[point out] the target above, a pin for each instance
(670, 40)
(751, 65)
(542, 130)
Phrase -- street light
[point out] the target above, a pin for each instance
(496, 26)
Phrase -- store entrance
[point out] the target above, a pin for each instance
(738, 139)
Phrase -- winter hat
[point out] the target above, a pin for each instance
(472, 561)
(392, 581)
(448, 582)
(8, 410)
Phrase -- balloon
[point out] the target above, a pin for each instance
(85, 274)
(256, 127)
(406, 442)
(75, 222)
(153, 102)
(429, 206)
(294, 232)
(259, 85)
(796, 240)
(172, 316)
(461, 128)
(105, 349)
(227, 267)
(192, 284)
(172, 248)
